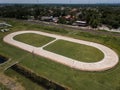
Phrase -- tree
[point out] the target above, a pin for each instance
(62, 20)
(93, 18)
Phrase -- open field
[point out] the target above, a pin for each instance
(76, 80)
(33, 39)
(76, 51)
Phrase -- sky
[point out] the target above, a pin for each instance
(61, 1)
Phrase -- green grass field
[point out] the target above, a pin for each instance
(75, 51)
(33, 39)
(75, 79)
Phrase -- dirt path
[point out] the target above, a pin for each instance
(10, 83)
(7, 81)
(110, 57)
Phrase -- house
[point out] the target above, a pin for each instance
(80, 23)
(55, 19)
(68, 17)
(47, 18)
(73, 10)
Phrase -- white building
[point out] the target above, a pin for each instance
(5, 25)
(80, 23)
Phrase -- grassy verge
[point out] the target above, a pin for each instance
(33, 39)
(2, 87)
(28, 85)
(76, 51)
(76, 80)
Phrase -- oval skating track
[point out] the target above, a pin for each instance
(110, 57)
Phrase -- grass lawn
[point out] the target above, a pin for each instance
(33, 39)
(28, 85)
(75, 79)
(75, 51)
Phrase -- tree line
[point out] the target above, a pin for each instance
(94, 16)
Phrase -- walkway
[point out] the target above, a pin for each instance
(110, 57)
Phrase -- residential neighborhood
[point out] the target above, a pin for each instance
(70, 15)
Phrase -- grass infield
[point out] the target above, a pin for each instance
(33, 39)
(75, 51)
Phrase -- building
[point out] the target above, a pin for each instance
(4, 25)
(80, 23)
(47, 18)
(55, 19)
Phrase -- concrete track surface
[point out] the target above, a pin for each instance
(110, 57)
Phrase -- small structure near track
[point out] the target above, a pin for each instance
(4, 27)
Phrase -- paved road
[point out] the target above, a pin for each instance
(110, 57)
